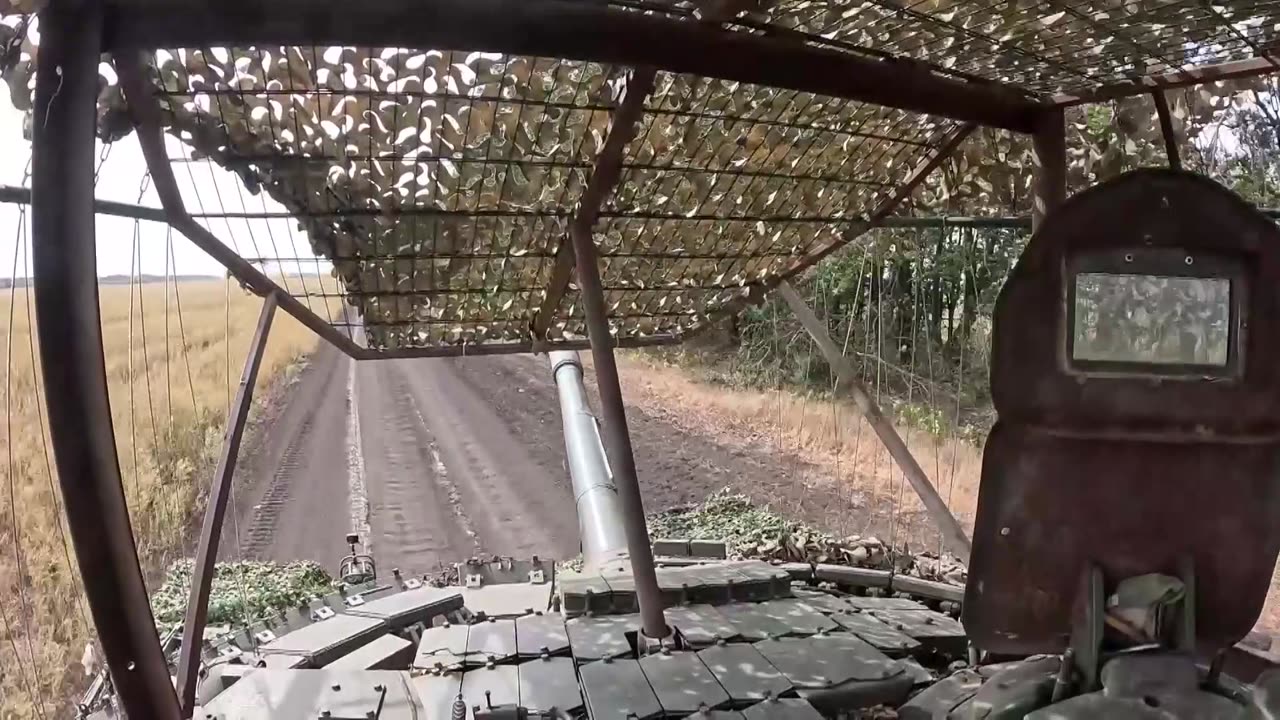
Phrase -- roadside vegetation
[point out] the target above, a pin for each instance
(169, 404)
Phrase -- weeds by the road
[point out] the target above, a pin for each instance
(241, 591)
(168, 424)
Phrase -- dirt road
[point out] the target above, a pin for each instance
(439, 461)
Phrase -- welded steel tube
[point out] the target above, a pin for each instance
(617, 438)
(69, 327)
(604, 542)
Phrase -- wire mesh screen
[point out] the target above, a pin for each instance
(727, 185)
(441, 184)
(1043, 47)
(433, 181)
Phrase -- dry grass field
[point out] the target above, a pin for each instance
(169, 407)
(839, 448)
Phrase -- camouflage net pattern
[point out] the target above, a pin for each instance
(440, 184)
(1047, 48)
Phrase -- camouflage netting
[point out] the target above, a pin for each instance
(758, 533)
(440, 184)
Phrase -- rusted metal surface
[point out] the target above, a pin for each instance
(69, 328)
(1128, 471)
(1166, 129)
(219, 495)
(604, 176)
(617, 438)
(1218, 72)
(577, 31)
(363, 353)
(1049, 176)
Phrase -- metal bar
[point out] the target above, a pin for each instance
(1166, 129)
(69, 328)
(22, 196)
(508, 348)
(1013, 222)
(145, 113)
(1220, 72)
(1049, 171)
(593, 32)
(616, 435)
(604, 177)
(219, 494)
(633, 287)
(604, 541)
(953, 535)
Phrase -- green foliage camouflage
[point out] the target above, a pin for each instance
(242, 591)
(725, 185)
(753, 532)
(748, 531)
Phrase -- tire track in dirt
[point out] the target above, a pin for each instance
(520, 505)
(460, 457)
(416, 515)
(291, 490)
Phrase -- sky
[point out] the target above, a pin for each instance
(119, 179)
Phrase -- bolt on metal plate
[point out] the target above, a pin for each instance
(492, 640)
(880, 635)
(549, 684)
(781, 709)
(597, 638)
(617, 689)
(539, 634)
(700, 625)
(682, 683)
(743, 672)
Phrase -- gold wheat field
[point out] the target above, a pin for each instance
(170, 388)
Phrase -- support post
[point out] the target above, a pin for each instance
(1049, 175)
(69, 328)
(1166, 129)
(953, 536)
(219, 494)
(617, 438)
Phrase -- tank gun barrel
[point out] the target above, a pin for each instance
(599, 511)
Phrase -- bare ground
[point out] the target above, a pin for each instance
(460, 457)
